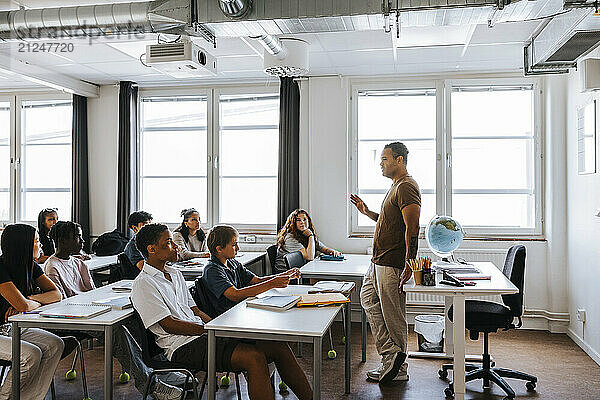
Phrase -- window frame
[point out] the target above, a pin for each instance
(213, 144)
(16, 100)
(444, 150)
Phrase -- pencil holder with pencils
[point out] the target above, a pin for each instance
(419, 267)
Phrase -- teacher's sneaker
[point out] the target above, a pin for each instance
(391, 366)
(164, 391)
(375, 374)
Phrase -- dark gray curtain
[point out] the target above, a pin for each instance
(80, 194)
(288, 185)
(126, 186)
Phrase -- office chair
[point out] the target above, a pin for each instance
(124, 269)
(147, 350)
(272, 256)
(486, 317)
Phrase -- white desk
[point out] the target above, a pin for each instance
(307, 325)
(497, 285)
(245, 257)
(103, 323)
(97, 264)
(353, 268)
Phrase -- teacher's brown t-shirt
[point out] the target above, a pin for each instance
(389, 245)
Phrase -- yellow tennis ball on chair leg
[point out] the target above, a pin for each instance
(71, 375)
(124, 377)
(283, 387)
(331, 354)
(225, 381)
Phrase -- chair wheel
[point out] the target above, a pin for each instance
(449, 392)
(530, 386)
(443, 374)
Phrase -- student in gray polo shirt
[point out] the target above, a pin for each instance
(161, 297)
(227, 280)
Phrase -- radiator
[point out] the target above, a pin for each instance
(495, 256)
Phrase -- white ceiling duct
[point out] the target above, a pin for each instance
(235, 8)
(96, 20)
(272, 45)
(295, 62)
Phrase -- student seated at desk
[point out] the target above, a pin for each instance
(161, 297)
(19, 274)
(46, 220)
(228, 281)
(136, 220)
(70, 275)
(298, 234)
(189, 236)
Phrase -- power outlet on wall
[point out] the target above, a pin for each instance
(580, 315)
(250, 239)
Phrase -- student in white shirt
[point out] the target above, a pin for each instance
(189, 236)
(161, 297)
(70, 275)
(298, 234)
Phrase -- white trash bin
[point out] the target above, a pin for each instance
(430, 333)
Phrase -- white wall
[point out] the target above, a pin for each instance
(103, 135)
(583, 229)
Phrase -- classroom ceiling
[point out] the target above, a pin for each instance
(419, 50)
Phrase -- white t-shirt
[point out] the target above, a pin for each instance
(155, 297)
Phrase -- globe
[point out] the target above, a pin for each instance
(443, 235)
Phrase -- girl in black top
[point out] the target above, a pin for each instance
(46, 219)
(20, 279)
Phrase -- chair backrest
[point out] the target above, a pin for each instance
(202, 300)
(272, 255)
(125, 269)
(134, 348)
(514, 269)
(145, 339)
(294, 260)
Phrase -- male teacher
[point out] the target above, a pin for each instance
(395, 240)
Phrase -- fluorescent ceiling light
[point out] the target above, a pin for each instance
(433, 36)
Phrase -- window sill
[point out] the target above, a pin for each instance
(489, 238)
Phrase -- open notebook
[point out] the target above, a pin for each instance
(79, 311)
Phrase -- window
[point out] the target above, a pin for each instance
(36, 151)
(219, 153)
(483, 168)
(5, 129)
(385, 116)
(173, 148)
(46, 159)
(493, 129)
(249, 138)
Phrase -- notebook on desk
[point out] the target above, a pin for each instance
(275, 303)
(76, 311)
(331, 287)
(116, 302)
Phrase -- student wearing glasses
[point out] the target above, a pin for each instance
(189, 236)
(298, 234)
(19, 275)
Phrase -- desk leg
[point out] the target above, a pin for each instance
(264, 265)
(317, 348)
(363, 328)
(347, 346)
(212, 348)
(108, 362)
(449, 330)
(16, 357)
(459, 347)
